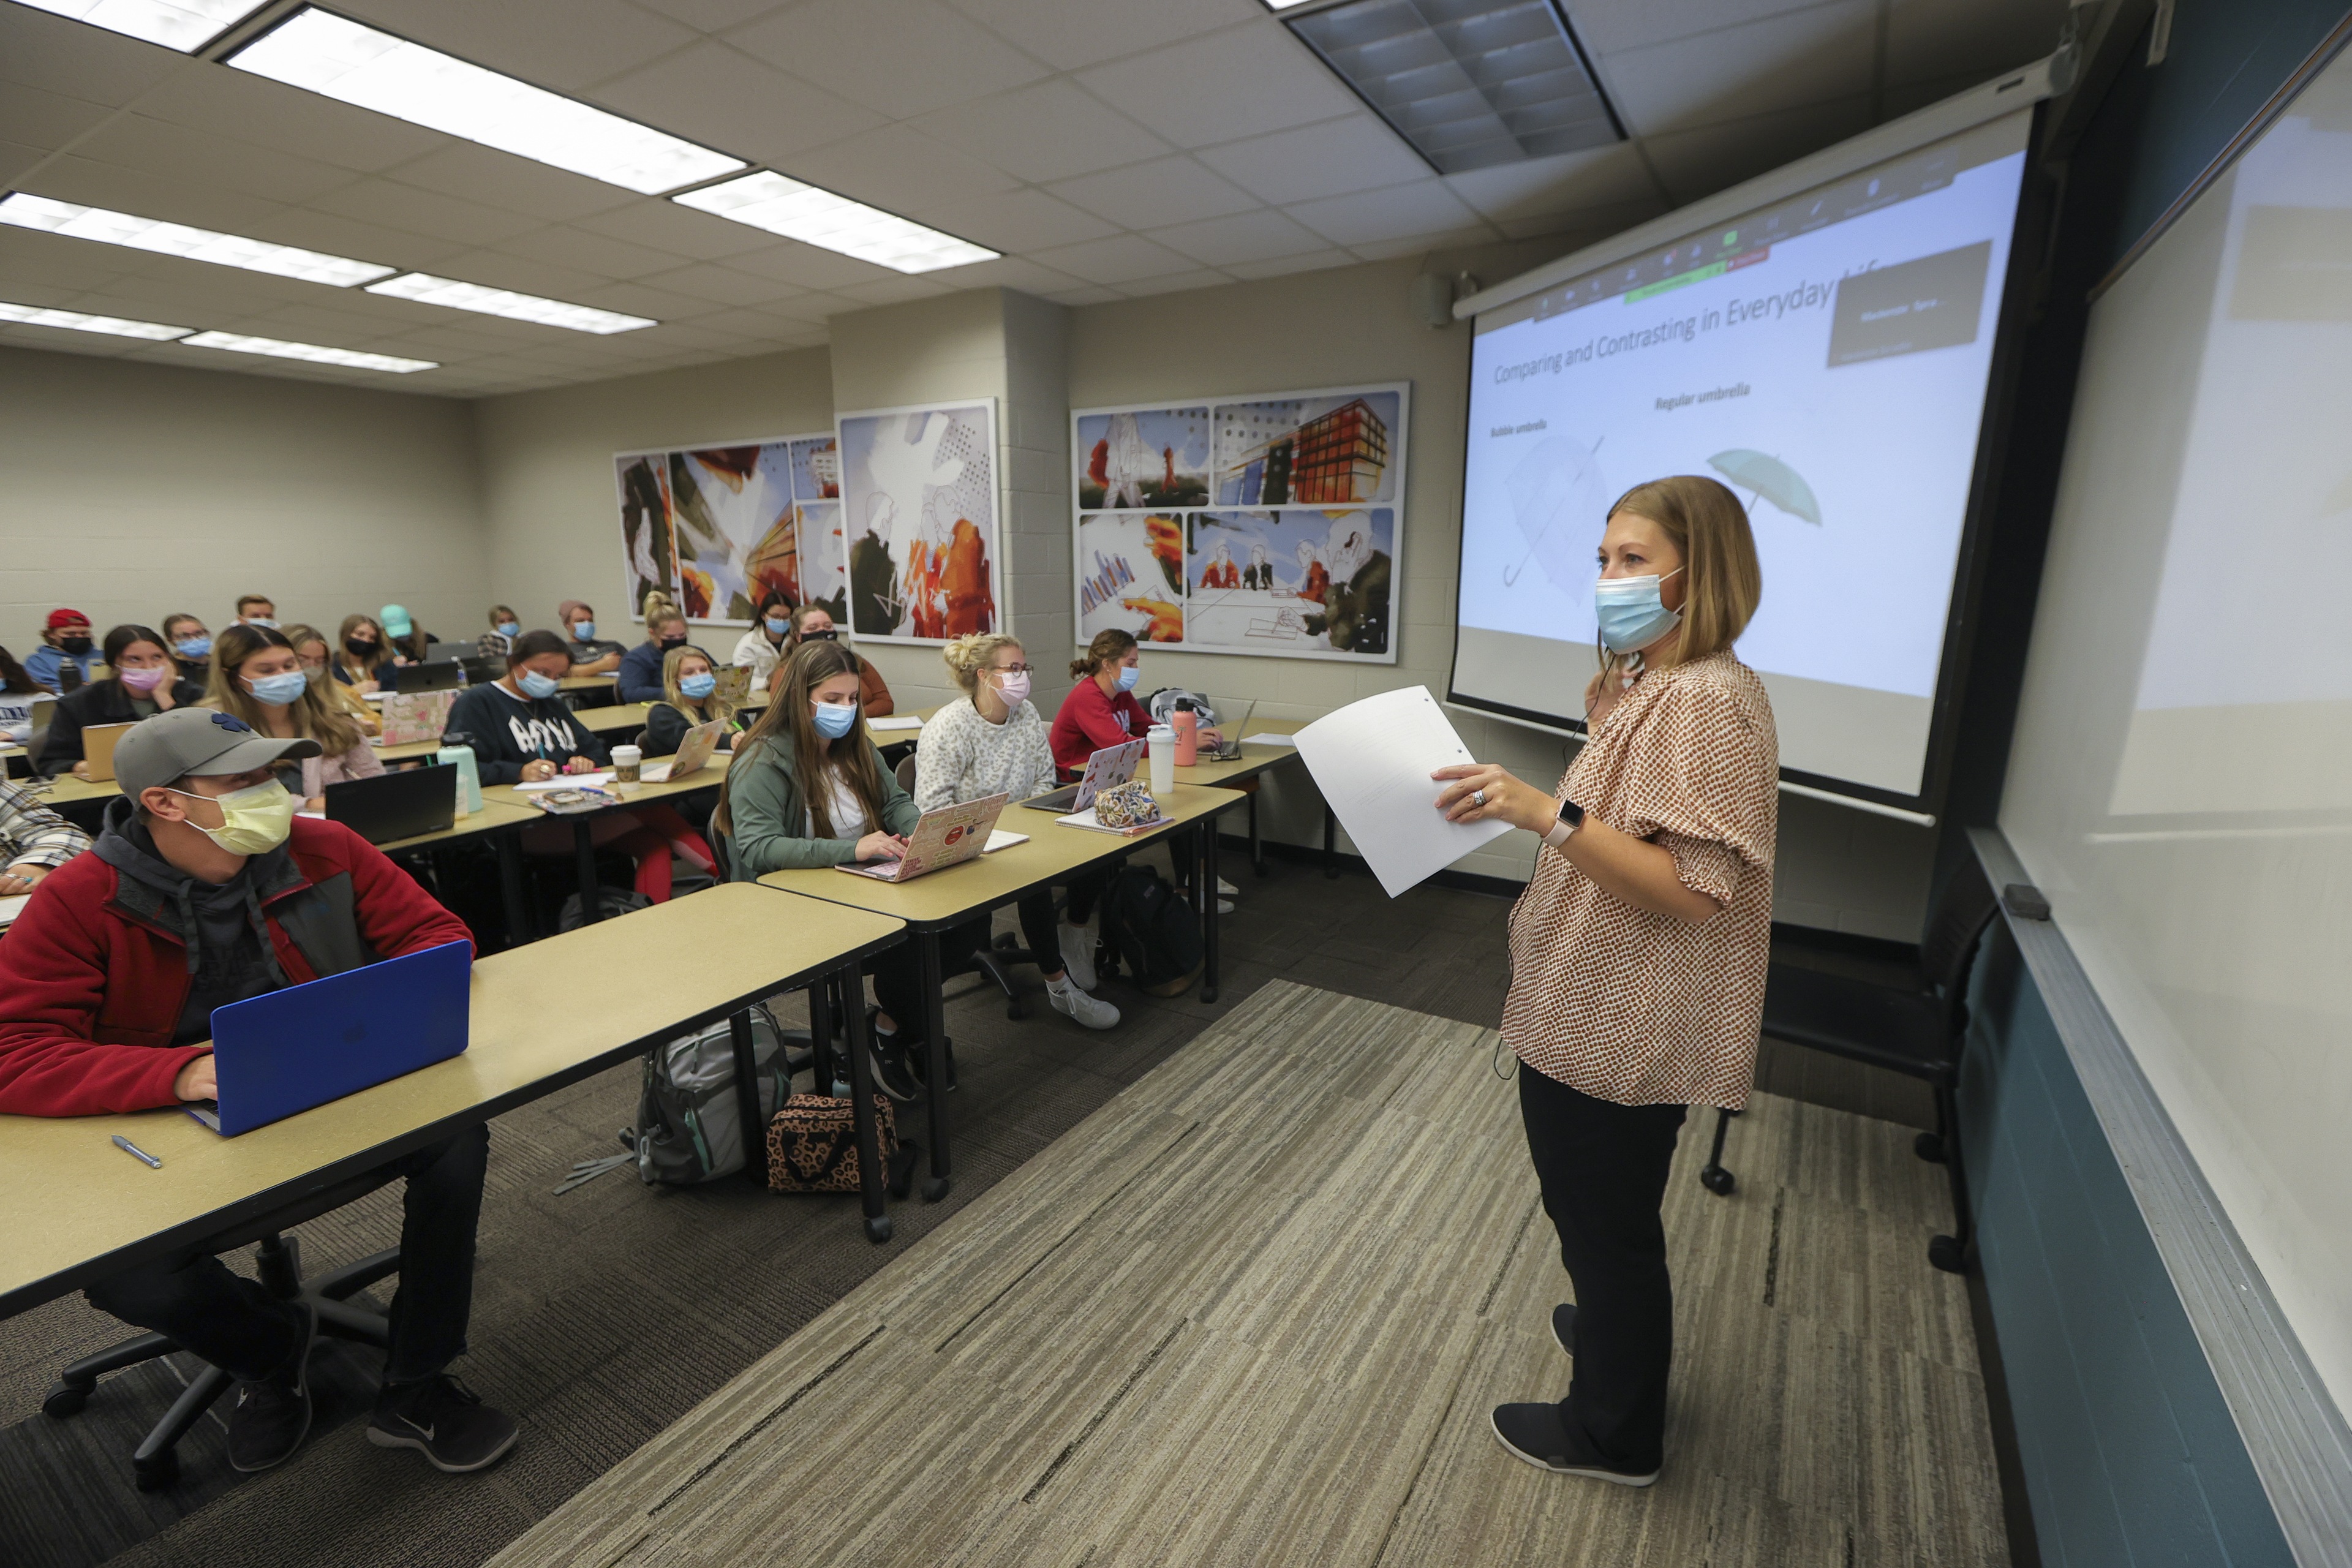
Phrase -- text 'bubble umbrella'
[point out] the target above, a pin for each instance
(1771, 480)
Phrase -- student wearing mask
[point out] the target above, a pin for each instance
(145, 682)
(363, 658)
(257, 610)
(1639, 949)
(808, 788)
(504, 627)
(690, 699)
(310, 646)
(641, 670)
(770, 637)
(1101, 709)
(64, 639)
(591, 655)
(204, 890)
(258, 676)
(813, 623)
(408, 640)
(34, 840)
(988, 742)
(192, 646)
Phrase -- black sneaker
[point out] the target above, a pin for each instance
(270, 1419)
(918, 1062)
(891, 1069)
(444, 1420)
(1536, 1433)
(1563, 1326)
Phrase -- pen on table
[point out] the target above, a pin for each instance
(136, 1153)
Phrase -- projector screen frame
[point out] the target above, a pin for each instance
(2027, 91)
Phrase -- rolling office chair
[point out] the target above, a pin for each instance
(155, 1464)
(1916, 1029)
(996, 960)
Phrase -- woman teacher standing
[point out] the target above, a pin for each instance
(1638, 950)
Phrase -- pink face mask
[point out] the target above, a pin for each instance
(146, 680)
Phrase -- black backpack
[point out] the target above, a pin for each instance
(1154, 934)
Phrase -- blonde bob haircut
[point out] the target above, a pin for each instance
(1709, 528)
(970, 654)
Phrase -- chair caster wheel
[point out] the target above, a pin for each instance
(878, 1229)
(1947, 1253)
(63, 1400)
(1928, 1147)
(934, 1188)
(1016, 1010)
(1717, 1180)
(154, 1475)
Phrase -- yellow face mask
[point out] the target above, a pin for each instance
(254, 820)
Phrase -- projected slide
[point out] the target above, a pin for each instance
(1827, 358)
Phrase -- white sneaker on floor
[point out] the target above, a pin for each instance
(1078, 953)
(1226, 887)
(1074, 1003)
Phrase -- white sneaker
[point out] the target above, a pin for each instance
(1072, 1003)
(1078, 954)
(1226, 887)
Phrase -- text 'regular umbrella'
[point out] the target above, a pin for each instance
(1561, 503)
(1771, 480)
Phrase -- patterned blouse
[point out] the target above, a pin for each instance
(1640, 1008)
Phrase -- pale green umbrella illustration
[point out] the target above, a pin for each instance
(1557, 499)
(1771, 480)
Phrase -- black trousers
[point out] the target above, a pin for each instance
(239, 1326)
(1603, 1172)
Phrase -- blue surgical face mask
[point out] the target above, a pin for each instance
(277, 690)
(1127, 675)
(538, 686)
(780, 628)
(1630, 612)
(834, 719)
(508, 629)
(584, 630)
(195, 647)
(698, 686)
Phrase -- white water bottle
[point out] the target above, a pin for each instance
(1162, 740)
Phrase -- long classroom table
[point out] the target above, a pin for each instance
(543, 1016)
(934, 904)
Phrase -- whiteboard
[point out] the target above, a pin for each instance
(2180, 784)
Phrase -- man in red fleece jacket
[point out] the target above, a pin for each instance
(203, 889)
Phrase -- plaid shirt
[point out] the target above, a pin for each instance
(33, 835)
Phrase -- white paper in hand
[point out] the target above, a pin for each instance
(1372, 761)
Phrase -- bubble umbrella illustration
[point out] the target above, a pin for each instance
(1557, 496)
(1770, 480)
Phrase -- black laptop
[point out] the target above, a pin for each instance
(396, 806)
(481, 668)
(442, 675)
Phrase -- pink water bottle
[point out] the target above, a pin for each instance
(1187, 725)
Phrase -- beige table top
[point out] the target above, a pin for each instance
(619, 716)
(709, 777)
(494, 816)
(1053, 852)
(606, 682)
(407, 751)
(543, 1015)
(66, 788)
(1253, 760)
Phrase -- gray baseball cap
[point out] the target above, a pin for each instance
(202, 740)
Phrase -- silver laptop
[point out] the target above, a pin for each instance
(1230, 726)
(1107, 769)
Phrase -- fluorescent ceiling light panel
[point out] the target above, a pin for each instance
(327, 54)
(237, 342)
(182, 24)
(112, 326)
(179, 240)
(770, 201)
(458, 296)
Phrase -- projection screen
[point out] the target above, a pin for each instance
(1828, 352)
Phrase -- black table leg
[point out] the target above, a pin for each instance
(873, 1160)
(1257, 844)
(1209, 901)
(747, 1100)
(935, 1042)
(583, 846)
(822, 1077)
(1331, 853)
(520, 928)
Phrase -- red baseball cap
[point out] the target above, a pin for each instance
(59, 619)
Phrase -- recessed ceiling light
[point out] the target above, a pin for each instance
(182, 24)
(459, 296)
(113, 326)
(237, 342)
(178, 239)
(767, 200)
(327, 54)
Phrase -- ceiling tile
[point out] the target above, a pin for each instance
(663, 305)
(52, 260)
(894, 290)
(1604, 26)
(570, 247)
(1600, 177)
(932, 58)
(565, 49)
(178, 152)
(1147, 196)
(671, 228)
(1121, 259)
(1597, 222)
(1932, 40)
(1047, 132)
(1898, 101)
(1313, 261)
(1244, 81)
(1092, 294)
(1369, 216)
(396, 206)
(511, 184)
(253, 109)
(723, 285)
(1694, 164)
(711, 15)
(1012, 272)
(727, 99)
(1426, 240)
(1243, 237)
(502, 269)
(1011, 221)
(898, 169)
(16, 334)
(1173, 283)
(1069, 33)
(32, 118)
(807, 265)
(1731, 73)
(17, 161)
(40, 49)
(1356, 153)
(70, 177)
(339, 236)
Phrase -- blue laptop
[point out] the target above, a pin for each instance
(291, 1049)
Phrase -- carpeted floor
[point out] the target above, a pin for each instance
(606, 1314)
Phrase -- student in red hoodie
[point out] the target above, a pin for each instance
(1101, 709)
(205, 888)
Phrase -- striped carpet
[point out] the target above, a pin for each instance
(1255, 1310)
